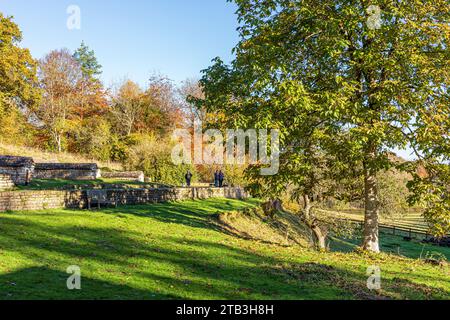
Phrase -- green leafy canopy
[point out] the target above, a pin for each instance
(328, 81)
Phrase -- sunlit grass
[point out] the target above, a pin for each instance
(176, 251)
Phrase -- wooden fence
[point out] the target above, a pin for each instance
(408, 232)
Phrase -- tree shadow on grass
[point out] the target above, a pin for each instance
(195, 214)
(41, 283)
(273, 278)
(169, 267)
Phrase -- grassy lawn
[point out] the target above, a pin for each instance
(175, 251)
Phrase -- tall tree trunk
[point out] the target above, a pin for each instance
(319, 238)
(57, 138)
(319, 235)
(371, 240)
(272, 207)
(59, 144)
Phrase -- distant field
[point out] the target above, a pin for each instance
(412, 219)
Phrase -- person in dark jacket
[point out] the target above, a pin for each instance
(188, 178)
(221, 178)
(216, 179)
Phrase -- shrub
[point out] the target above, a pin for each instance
(153, 155)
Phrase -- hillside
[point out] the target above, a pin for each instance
(44, 156)
(187, 251)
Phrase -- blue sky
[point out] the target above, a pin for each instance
(133, 38)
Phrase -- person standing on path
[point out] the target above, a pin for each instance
(188, 178)
(221, 178)
(216, 179)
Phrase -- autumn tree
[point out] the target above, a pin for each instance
(93, 97)
(153, 110)
(376, 70)
(189, 89)
(162, 112)
(73, 101)
(59, 76)
(18, 81)
(126, 107)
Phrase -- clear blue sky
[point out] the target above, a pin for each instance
(133, 38)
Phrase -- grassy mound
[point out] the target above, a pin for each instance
(179, 251)
(285, 230)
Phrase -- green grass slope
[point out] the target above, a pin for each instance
(178, 251)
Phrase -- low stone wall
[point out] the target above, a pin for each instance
(20, 169)
(125, 176)
(6, 182)
(41, 200)
(67, 171)
(37, 200)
